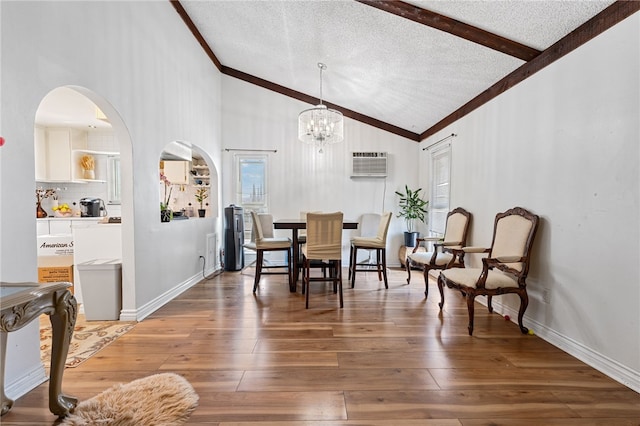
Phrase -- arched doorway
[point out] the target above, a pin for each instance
(76, 128)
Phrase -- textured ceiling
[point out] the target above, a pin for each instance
(390, 71)
(379, 64)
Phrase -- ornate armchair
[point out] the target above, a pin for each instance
(442, 256)
(504, 270)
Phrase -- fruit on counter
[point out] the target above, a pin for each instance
(62, 208)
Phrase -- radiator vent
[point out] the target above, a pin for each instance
(369, 164)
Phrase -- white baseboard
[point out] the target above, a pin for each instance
(602, 363)
(27, 382)
(147, 309)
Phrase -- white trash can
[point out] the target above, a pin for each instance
(101, 282)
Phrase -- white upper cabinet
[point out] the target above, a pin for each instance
(177, 172)
(59, 152)
(53, 158)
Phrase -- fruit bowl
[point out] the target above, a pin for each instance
(58, 213)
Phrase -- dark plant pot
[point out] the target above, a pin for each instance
(165, 215)
(411, 239)
(201, 212)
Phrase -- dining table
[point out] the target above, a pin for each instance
(295, 225)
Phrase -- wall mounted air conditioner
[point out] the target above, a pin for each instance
(369, 164)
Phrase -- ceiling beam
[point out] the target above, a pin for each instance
(313, 101)
(457, 28)
(194, 30)
(606, 19)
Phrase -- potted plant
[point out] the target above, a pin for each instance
(201, 195)
(412, 208)
(165, 212)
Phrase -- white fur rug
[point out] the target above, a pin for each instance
(159, 400)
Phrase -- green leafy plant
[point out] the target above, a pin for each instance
(201, 195)
(412, 207)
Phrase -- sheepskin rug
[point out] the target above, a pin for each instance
(159, 400)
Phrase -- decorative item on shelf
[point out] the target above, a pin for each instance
(88, 164)
(165, 212)
(41, 194)
(201, 195)
(412, 207)
(320, 125)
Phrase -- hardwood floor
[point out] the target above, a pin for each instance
(388, 358)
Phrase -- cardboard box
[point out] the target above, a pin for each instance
(55, 245)
(51, 274)
(55, 268)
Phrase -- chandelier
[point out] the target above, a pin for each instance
(320, 125)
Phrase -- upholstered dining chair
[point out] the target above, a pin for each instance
(324, 244)
(368, 227)
(503, 271)
(377, 243)
(264, 241)
(441, 256)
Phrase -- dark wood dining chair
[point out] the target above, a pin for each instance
(324, 244)
(262, 226)
(378, 243)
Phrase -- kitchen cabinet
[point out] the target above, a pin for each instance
(42, 227)
(40, 151)
(52, 148)
(177, 172)
(60, 227)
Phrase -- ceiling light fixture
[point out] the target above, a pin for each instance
(320, 125)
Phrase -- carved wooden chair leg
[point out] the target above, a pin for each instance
(440, 284)
(524, 302)
(470, 308)
(489, 305)
(407, 266)
(426, 282)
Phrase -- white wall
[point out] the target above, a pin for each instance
(565, 145)
(142, 66)
(301, 179)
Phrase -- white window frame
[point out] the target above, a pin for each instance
(440, 192)
(260, 205)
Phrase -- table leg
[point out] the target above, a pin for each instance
(63, 319)
(296, 255)
(7, 403)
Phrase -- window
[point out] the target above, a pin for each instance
(114, 183)
(251, 187)
(440, 188)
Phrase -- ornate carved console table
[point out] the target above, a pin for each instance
(20, 303)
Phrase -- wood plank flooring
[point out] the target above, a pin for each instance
(388, 358)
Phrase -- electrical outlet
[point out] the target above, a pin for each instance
(546, 295)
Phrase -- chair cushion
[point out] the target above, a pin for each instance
(468, 277)
(272, 243)
(424, 258)
(368, 242)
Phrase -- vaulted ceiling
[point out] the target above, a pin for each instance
(409, 68)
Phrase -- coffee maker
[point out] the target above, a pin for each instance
(92, 207)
